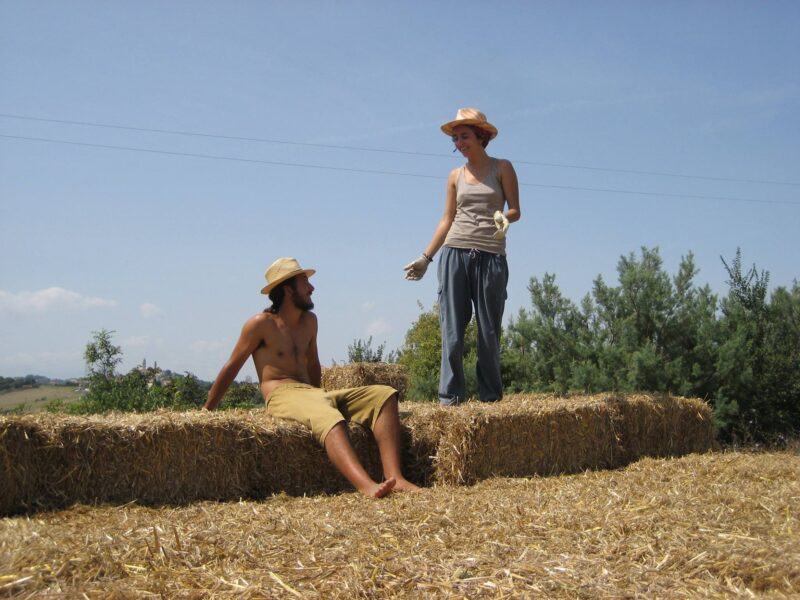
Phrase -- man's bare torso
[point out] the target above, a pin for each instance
(283, 352)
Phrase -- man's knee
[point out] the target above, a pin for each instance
(323, 434)
(392, 396)
(389, 409)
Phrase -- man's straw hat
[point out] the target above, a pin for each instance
(470, 116)
(281, 270)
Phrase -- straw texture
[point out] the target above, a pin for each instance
(49, 460)
(702, 526)
(366, 373)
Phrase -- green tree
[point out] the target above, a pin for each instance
(141, 389)
(547, 339)
(187, 392)
(362, 351)
(635, 316)
(656, 333)
(649, 332)
(102, 358)
(517, 358)
(691, 336)
(242, 395)
(759, 367)
(781, 381)
(586, 374)
(421, 355)
(17, 383)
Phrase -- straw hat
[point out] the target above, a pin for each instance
(470, 116)
(281, 270)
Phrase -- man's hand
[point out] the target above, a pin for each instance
(501, 223)
(415, 270)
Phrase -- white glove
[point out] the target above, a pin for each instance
(501, 223)
(415, 270)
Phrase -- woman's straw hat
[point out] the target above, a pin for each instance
(281, 270)
(470, 116)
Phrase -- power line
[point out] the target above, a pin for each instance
(217, 157)
(382, 172)
(390, 151)
(218, 136)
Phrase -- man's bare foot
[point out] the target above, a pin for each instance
(379, 490)
(404, 485)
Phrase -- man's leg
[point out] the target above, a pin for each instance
(387, 435)
(341, 453)
(311, 407)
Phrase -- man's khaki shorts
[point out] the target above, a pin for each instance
(321, 410)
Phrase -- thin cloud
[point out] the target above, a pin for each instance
(50, 300)
(150, 310)
(378, 327)
(31, 362)
(141, 341)
(205, 346)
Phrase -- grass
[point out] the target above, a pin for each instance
(35, 399)
(704, 525)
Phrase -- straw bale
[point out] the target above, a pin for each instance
(661, 425)
(165, 457)
(24, 456)
(366, 373)
(542, 434)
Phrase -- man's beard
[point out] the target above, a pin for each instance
(302, 304)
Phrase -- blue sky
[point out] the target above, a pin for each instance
(151, 238)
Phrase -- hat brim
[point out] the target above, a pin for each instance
(268, 288)
(485, 125)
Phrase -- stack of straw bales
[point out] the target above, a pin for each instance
(49, 460)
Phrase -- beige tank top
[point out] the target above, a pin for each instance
(476, 204)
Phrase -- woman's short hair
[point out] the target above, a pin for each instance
(482, 135)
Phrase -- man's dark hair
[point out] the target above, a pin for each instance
(278, 293)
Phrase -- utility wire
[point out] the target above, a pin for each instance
(217, 157)
(389, 151)
(382, 172)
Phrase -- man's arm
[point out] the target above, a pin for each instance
(248, 342)
(312, 357)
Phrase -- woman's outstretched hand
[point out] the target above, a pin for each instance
(415, 270)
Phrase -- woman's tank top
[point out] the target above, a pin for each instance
(476, 204)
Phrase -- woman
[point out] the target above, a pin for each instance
(472, 266)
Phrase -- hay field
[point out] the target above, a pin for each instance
(703, 525)
(36, 399)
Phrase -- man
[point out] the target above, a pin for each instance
(283, 343)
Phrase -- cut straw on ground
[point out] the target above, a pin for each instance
(707, 525)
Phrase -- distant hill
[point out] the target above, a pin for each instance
(9, 384)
